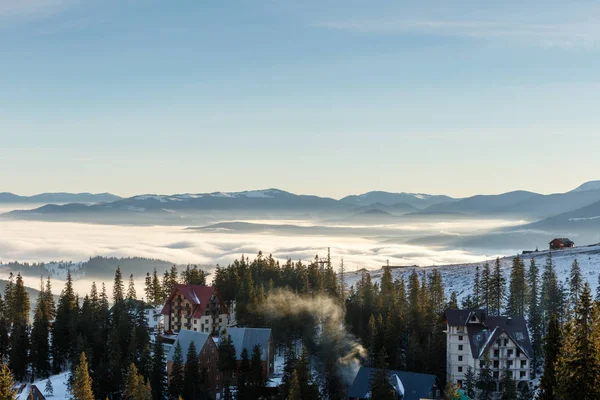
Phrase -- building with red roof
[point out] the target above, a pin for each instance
(195, 308)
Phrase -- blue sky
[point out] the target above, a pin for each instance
(324, 97)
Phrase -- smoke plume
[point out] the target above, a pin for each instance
(319, 321)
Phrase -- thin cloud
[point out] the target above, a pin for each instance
(564, 35)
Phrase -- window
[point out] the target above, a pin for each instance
(481, 364)
(202, 327)
(509, 353)
(460, 347)
(523, 374)
(458, 382)
(509, 363)
(460, 358)
(196, 329)
(496, 353)
(506, 342)
(460, 338)
(496, 364)
(460, 369)
(523, 363)
(519, 336)
(496, 374)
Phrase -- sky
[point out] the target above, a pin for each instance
(315, 96)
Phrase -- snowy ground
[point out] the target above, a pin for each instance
(459, 277)
(59, 384)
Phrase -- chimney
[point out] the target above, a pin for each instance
(509, 321)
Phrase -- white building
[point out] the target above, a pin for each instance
(154, 318)
(471, 334)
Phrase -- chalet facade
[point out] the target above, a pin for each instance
(208, 356)
(195, 308)
(561, 243)
(471, 335)
(406, 385)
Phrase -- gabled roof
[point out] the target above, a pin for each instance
(416, 386)
(186, 337)
(564, 241)
(247, 338)
(482, 337)
(462, 317)
(199, 296)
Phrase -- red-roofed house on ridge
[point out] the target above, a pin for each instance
(195, 308)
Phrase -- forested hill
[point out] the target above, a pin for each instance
(95, 268)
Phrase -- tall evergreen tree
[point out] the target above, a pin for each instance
(118, 287)
(485, 288)
(497, 289)
(82, 385)
(534, 314)
(517, 289)
(294, 391)
(19, 334)
(578, 365)
(40, 336)
(158, 379)
(477, 288)
(176, 382)
(550, 298)
(257, 379)
(64, 333)
(508, 386)
(485, 380)
(48, 389)
(380, 383)
(470, 383)
(226, 362)
(191, 380)
(575, 286)
(552, 350)
(136, 386)
(131, 295)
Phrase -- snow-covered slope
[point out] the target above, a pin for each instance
(591, 185)
(459, 277)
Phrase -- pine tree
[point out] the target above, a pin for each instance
(578, 365)
(477, 288)
(191, 380)
(257, 379)
(371, 341)
(177, 379)
(534, 315)
(244, 390)
(508, 385)
(497, 289)
(148, 289)
(308, 388)
(550, 292)
(49, 390)
(470, 383)
(136, 387)
(131, 295)
(575, 286)
(7, 384)
(485, 288)
(552, 350)
(453, 303)
(226, 361)
(517, 289)
(294, 392)
(289, 367)
(158, 377)
(40, 336)
(64, 328)
(118, 287)
(485, 380)
(157, 290)
(380, 384)
(82, 385)
(19, 336)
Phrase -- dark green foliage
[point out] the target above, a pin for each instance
(64, 332)
(226, 362)
(497, 289)
(7, 384)
(534, 314)
(470, 383)
(575, 286)
(380, 384)
(158, 377)
(485, 381)
(194, 276)
(176, 383)
(517, 297)
(552, 349)
(191, 376)
(508, 386)
(258, 380)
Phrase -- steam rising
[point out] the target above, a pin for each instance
(320, 320)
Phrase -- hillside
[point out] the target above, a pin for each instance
(58, 198)
(459, 277)
(416, 200)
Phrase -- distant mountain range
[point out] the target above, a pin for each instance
(58, 198)
(567, 209)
